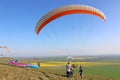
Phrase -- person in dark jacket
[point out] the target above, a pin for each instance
(81, 71)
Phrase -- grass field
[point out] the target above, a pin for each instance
(109, 71)
(55, 70)
(103, 69)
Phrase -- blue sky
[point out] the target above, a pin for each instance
(77, 34)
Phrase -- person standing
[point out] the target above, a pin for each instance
(72, 70)
(81, 71)
(68, 67)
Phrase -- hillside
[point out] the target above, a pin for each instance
(16, 73)
(8, 72)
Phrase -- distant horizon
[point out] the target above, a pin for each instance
(102, 55)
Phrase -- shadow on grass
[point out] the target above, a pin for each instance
(4, 64)
(40, 78)
(63, 75)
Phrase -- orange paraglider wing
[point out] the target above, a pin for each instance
(5, 47)
(66, 10)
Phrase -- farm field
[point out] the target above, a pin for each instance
(110, 70)
(55, 70)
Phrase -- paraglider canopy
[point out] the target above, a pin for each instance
(5, 47)
(69, 58)
(66, 10)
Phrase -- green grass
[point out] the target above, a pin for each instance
(109, 71)
(102, 71)
(92, 71)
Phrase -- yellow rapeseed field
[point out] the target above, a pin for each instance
(78, 63)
